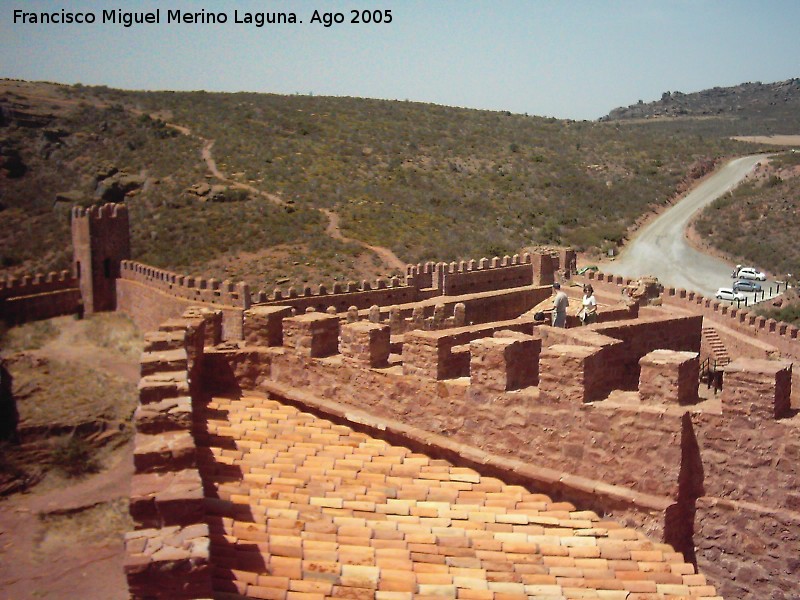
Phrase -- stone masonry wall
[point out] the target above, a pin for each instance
(168, 553)
(151, 296)
(39, 297)
(691, 458)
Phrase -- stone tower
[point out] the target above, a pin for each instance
(100, 240)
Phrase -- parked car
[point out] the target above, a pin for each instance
(745, 285)
(728, 294)
(751, 273)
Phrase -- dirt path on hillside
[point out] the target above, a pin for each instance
(212, 167)
(388, 257)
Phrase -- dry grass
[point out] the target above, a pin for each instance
(100, 524)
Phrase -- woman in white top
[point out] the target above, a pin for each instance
(588, 311)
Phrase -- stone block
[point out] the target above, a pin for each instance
(669, 377)
(757, 387)
(212, 323)
(569, 373)
(163, 360)
(194, 329)
(165, 499)
(430, 354)
(312, 334)
(230, 368)
(504, 363)
(543, 269)
(365, 343)
(156, 341)
(172, 563)
(168, 451)
(263, 325)
(169, 414)
(156, 387)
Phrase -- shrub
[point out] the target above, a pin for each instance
(73, 456)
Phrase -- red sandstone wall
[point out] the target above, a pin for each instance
(469, 282)
(781, 335)
(342, 297)
(749, 553)
(39, 297)
(587, 440)
(149, 307)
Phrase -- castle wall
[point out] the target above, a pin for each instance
(509, 272)
(100, 240)
(39, 297)
(167, 555)
(743, 332)
(341, 297)
(782, 336)
(674, 471)
(151, 296)
(749, 552)
(422, 282)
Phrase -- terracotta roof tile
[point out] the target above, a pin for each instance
(307, 509)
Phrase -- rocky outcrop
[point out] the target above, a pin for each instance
(714, 101)
(117, 186)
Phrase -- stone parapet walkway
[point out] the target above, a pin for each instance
(302, 508)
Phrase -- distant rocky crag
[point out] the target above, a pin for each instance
(741, 100)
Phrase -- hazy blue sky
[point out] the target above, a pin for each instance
(564, 59)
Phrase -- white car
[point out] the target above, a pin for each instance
(751, 273)
(729, 294)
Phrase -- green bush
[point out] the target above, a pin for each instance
(73, 456)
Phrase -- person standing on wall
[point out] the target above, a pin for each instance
(588, 312)
(560, 304)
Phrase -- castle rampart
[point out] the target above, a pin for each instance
(151, 296)
(452, 362)
(626, 457)
(39, 297)
(100, 241)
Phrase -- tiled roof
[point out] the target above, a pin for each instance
(302, 508)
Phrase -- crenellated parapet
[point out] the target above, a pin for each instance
(105, 212)
(783, 336)
(471, 276)
(31, 298)
(167, 554)
(29, 285)
(186, 287)
(342, 295)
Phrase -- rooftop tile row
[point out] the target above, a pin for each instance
(302, 508)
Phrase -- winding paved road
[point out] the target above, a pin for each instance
(661, 249)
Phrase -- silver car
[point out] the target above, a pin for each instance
(751, 273)
(729, 295)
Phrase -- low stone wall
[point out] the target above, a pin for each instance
(343, 296)
(39, 297)
(439, 312)
(150, 306)
(168, 554)
(662, 466)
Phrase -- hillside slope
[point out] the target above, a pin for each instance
(746, 109)
(427, 182)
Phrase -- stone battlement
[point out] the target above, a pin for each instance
(28, 285)
(31, 298)
(741, 319)
(106, 212)
(195, 289)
